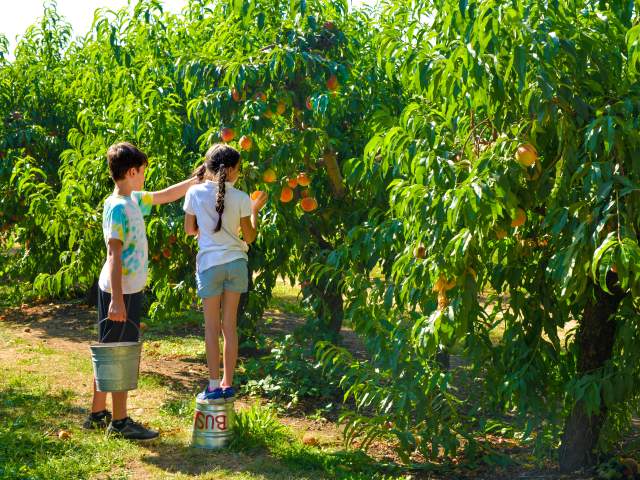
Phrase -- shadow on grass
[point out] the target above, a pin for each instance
(289, 459)
(30, 419)
(260, 446)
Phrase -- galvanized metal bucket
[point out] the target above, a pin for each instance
(212, 424)
(116, 365)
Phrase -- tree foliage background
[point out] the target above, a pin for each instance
(412, 153)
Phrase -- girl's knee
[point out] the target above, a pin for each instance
(229, 333)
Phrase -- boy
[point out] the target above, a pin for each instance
(124, 274)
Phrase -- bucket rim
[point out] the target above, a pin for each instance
(217, 401)
(115, 344)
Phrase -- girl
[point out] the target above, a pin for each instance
(215, 211)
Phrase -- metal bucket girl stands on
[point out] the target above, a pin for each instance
(116, 365)
(212, 423)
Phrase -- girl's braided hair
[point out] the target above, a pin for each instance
(217, 159)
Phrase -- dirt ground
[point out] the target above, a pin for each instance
(68, 328)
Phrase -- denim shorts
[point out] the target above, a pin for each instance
(231, 277)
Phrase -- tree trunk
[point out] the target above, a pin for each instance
(335, 310)
(443, 358)
(328, 307)
(595, 340)
(332, 309)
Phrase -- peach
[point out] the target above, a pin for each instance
(303, 179)
(286, 195)
(269, 176)
(246, 143)
(308, 204)
(227, 134)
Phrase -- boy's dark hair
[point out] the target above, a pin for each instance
(123, 156)
(217, 159)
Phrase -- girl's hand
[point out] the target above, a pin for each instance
(259, 202)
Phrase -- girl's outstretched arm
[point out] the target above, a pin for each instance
(249, 225)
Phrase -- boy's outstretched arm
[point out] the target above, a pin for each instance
(174, 192)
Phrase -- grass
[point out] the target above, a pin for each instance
(191, 346)
(32, 415)
(45, 389)
(286, 298)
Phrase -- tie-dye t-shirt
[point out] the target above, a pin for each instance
(123, 219)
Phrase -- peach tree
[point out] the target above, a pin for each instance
(288, 83)
(512, 235)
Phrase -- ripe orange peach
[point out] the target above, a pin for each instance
(292, 182)
(308, 103)
(303, 179)
(286, 195)
(235, 95)
(227, 134)
(256, 194)
(526, 155)
(246, 143)
(308, 204)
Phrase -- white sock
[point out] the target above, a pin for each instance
(214, 383)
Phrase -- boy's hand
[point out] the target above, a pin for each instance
(117, 311)
(258, 203)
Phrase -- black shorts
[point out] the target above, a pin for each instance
(110, 331)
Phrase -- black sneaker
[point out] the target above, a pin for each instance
(131, 430)
(97, 420)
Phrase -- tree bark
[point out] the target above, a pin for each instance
(329, 308)
(335, 310)
(595, 341)
(332, 309)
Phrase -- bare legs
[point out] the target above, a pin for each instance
(230, 301)
(212, 334)
(119, 400)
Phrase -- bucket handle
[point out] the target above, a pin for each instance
(123, 329)
(122, 332)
